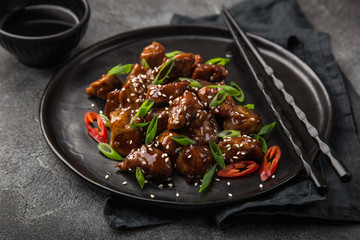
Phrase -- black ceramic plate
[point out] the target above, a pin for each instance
(65, 102)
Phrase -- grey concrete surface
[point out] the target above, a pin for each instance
(40, 198)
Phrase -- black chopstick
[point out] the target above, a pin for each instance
(337, 165)
(312, 172)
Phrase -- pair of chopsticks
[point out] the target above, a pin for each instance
(253, 56)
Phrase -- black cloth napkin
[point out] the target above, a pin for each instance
(282, 22)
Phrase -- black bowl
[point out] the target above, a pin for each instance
(57, 27)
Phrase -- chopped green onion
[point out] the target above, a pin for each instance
(143, 110)
(193, 82)
(229, 133)
(140, 177)
(145, 63)
(120, 69)
(172, 54)
(208, 176)
(220, 61)
(241, 97)
(183, 140)
(108, 151)
(217, 154)
(105, 119)
(232, 91)
(249, 106)
(151, 130)
(222, 95)
(171, 62)
(266, 129)
(262, 141)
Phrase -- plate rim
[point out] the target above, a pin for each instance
(221, 32)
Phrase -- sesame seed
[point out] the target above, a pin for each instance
(273, 176)
(195, 184)
(101, 112)
(146, 181)
(228, 183)
(124, 183)
(235, 157)
(128, 99)
(228, 149)
(167, 159)
(92, 105)
(189, 156)
(228, 145)
(167, 147)
(168, 179)
(132, 94)
(106, 176)
(217, 179)
(229, 194)
(152, 195)
(161, 185)
(177, 194)
(130, 141)
(261, 186)
(150, 149)
(170, 184)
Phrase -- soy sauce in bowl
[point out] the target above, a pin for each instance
(42, 33)
(39, 20)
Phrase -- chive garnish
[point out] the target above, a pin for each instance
(169, 65)
(193, 82)
(208, 176)
(151, 130)
(217, 154)
(145, 63)
(249, 106)
(143, 110)
(262, 141)
(183, 140)
(140, 177)
(221, 95)
(105, 119)
(220, 61)
(240, 98)
(232, 91)
(266, 129)
(109, 152)
(120, 69)
(229, 133)
(172, 54)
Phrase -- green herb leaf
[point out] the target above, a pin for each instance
(145, 63)
(172, 54)
(151, 130)
(229, 133)
(120, 69)
(262, 141)
(143, 110)
(168, 65)
(241, 97)
(220, 61)
(266, 129)
(249, 106)
(183, 140)
(232, 91)
(222, 95)
(193, 82)
(105, 119)
(140, 177)
(208, 176)
(217, 154)
(108, 151)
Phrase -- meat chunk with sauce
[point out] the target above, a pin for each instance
(182, 109)
(168, 145)
(154, 163)
(133, 92)
(123, 139)
(163, 93)
(202, 128)
(238, 148)
(153, 54)
(236, 117)
(112, 102)
(193, 161)
(103, 86)
(210, 72)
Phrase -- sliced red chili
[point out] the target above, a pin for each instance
(99, 136)
(270, 162)
(238, 169)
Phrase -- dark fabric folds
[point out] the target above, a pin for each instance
(282, 22)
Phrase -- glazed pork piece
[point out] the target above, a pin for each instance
(163, 93)
(193, 161)
(123, 139)
(168, 145)
(238, 148)
(112, 102)
(153, 54)
(154, 163)
(103, 86)
(210, 72)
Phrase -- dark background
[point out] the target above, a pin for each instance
(40, 198)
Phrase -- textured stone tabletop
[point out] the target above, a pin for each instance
(40, 198)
